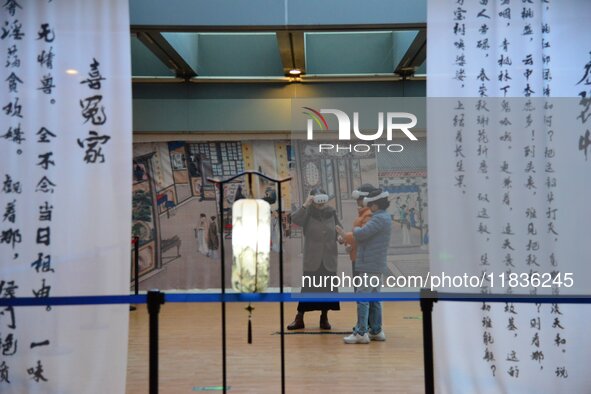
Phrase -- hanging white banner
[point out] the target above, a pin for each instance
(65, 199)
(509, 182)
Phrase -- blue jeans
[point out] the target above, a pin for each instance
(368, 311)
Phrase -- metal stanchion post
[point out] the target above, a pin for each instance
(281, 309)
(223, 288)
(428, 297)
(155, 299)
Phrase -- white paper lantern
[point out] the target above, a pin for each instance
(251, 244)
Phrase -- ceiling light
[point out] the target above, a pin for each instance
(295, 71)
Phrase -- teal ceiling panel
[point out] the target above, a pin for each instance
(349, 52)
(401, 41)
(187, 13)
(238, 55)
(355, 12)
(183, 13)
(186, 44)
(144, 63)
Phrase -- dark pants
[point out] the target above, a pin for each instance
(304, 306)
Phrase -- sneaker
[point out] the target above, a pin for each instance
(380, 336)
(356, 338)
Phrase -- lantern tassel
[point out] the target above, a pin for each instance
(249, 308)
(249, 331)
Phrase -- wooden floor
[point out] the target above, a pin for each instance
(191, 356)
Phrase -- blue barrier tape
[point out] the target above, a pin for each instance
(74, 300)
(287, 297)
(290, 297)
(228, 297)
(204, 297)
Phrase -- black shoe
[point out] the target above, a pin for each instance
(297, 323)
(324, 324)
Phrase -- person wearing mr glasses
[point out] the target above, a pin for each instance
(318, 221)
(371, 262)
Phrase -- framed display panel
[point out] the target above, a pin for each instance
(144, 220)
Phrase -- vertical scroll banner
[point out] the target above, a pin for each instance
(65, 200)
(509, 182)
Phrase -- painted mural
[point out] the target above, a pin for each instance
(176, 209)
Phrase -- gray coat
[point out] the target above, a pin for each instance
(372, 243)
(320, 238)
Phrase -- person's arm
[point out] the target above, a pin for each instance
(336, 220)
(373, 226)
(300, 216)
(338, 225)
(348, 239)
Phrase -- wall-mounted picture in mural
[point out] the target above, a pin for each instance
(143, 216)
(139, 172)
(166, 201)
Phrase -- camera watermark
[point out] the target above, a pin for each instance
(442, 280)
(345, 127)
